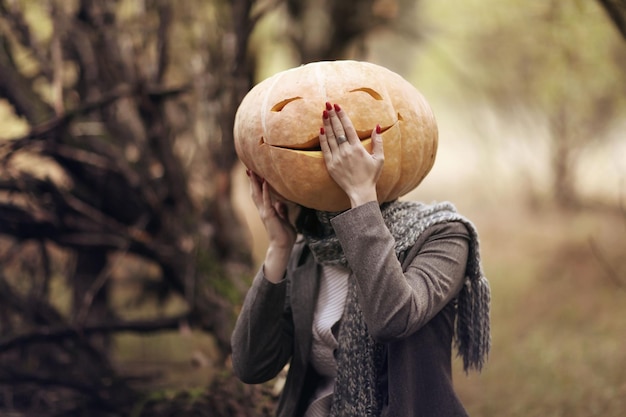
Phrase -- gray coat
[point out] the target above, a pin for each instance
(409, 306)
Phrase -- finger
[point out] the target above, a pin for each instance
(331, 140)
(281, 210)
(267, 197)
(324, 142)
(377, 144)
(255, 185)
(346, 124)
(255, 179)
(337, 126)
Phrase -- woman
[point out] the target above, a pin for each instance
(363, 306)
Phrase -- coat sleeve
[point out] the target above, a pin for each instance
(262, 341)
(397, 303)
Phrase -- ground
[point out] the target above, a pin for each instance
(558, 280)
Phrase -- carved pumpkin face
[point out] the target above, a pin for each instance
(277, 126)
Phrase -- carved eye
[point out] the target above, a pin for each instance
(281, 105)
(369, 91)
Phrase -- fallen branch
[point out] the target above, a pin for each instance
(113, 398)
(52, 334)
(42, 130)
(606, 265)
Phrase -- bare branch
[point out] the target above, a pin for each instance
(165, 21)
(21, 30)
(52, 334)
(56, 53)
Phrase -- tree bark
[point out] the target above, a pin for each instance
(616, 10)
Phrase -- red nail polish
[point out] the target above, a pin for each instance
(337, 108)
(322, 131)
(325, 114)
(247, 172)
(378, 129)
(329, 106)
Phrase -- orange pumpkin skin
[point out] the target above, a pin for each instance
(277, 127)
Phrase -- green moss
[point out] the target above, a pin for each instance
(215, 276)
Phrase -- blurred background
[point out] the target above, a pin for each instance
(128, 238)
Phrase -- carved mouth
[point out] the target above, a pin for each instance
(364, 136)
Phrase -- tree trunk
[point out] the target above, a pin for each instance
(563, 183)
(90, 292)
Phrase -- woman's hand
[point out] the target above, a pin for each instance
(354, 169)
(281, 232)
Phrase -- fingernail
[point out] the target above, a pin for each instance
(378, 129)
(247, 172)
(325, 114)
(337, 108)
(329, 106)
(322, 131)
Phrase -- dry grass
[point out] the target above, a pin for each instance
(558, 313)
(559, 317)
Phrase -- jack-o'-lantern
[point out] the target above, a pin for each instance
(277, 127)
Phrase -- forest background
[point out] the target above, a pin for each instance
(128, 238)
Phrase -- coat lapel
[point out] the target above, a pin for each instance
(304, 290)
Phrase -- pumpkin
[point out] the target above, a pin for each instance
(276, 129)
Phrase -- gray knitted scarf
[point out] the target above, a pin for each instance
(359, 356)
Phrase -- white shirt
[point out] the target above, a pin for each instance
(328, 311)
